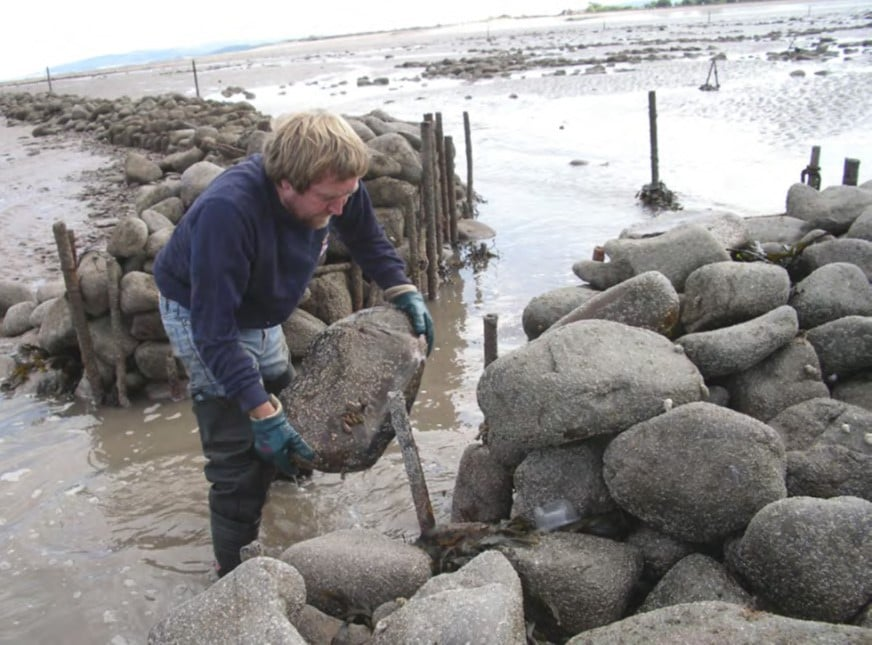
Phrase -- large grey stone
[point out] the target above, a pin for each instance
(196, 179)
(823, 420)
(139, 169)
(855, 389)
(546, 308)
(830, 470)
(138, 293)
(482, 487)
(675, 254)
(728, 228)
(396, 147)
(647, 300)
(589, 378)
(479, 604)
(736, 348)
(780, 229)
(57, 333)
(659, 551)
(128, 238)
(725, 293)
(844, 345)
(571, 473)
(339, 400)
(696, 578)
(331, 299)
(17, 319)
(301, 329)
(830, 292)
(833, 209)
(574, 581)
(698, 472)
(811, 558)
(357, 568)
(787, 376)
(718, 623)
(255, 603)
(94, 283)
(850, 250)
(862, 226)
(11, 293)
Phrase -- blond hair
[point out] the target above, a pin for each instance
(310, 146)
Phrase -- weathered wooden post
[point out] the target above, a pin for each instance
(443, 188)
(652, 128)
(811, 175)
(412, 462)
(48, 78)
(435, 179)
(429, 208)
(490, 338)
(113, 280)
(77, 310)
(469, 190)
(655, 194)
(411, 229)
(449, 188)
(851, 173)
(196, 81)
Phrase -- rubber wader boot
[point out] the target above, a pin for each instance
(240, 480)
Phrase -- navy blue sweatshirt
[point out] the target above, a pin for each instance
(239, 260)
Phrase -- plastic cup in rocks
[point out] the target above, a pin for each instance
(554, 514)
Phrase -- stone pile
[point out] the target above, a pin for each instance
(180, 144)
(682, 452)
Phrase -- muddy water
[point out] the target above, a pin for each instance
(103, 524)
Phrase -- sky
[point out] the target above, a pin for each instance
(36, 36)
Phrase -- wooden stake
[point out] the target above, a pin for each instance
(66, 254)
(851, 173)
(114, 279)
(490, 338)
(469, 190)
(427, 154)
(449, 181)
(196, 81)
(652, 125)
(412, 462)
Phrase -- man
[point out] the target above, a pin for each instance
(234, 269)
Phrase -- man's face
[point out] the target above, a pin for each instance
(321, 201)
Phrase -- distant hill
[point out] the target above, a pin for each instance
(144, 57)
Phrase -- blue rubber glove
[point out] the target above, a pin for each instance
(412, 304)
(275, 440)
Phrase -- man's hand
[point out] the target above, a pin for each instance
(276, 440)
(412, 304)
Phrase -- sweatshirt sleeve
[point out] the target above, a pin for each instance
(222, 249)
(365, 238)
